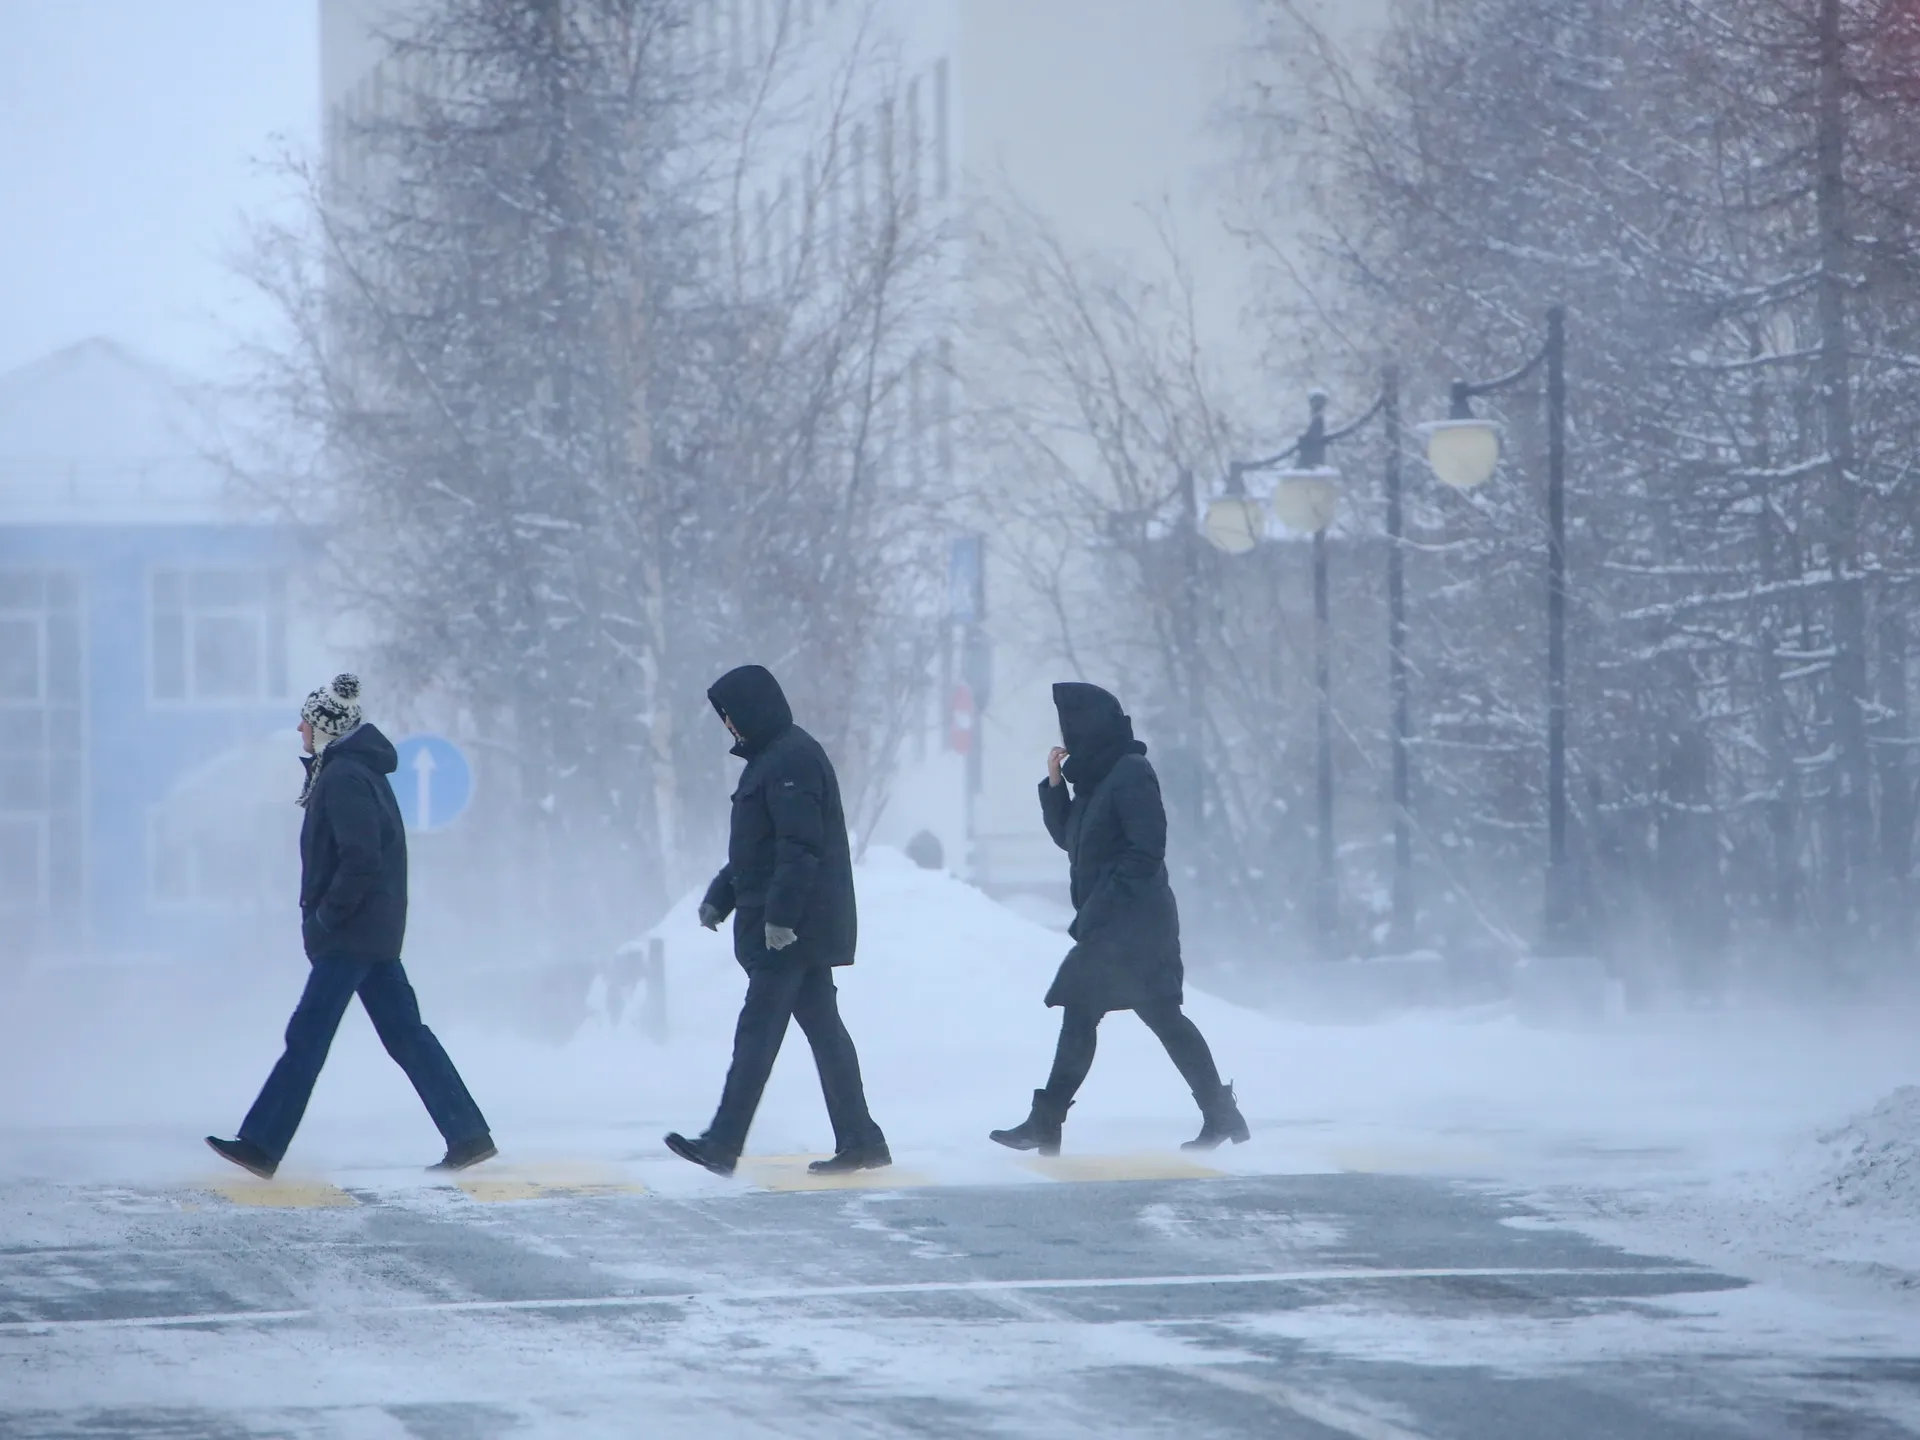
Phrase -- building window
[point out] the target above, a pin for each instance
(42, 761)
(784, 228)
(913, 145)
(218, 636)
(917, 418)
(942, 139)
(763, 238)
(830, 181)
(943, 410)
(888, 178)
(858, 161)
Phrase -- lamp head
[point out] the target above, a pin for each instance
(1234, 523)
(1463, 452)
(1306, 501)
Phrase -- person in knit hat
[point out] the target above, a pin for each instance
(353, 918)
(328, 714)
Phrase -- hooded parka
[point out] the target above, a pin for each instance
(353, 852)
(788, 859)
(1113, 826)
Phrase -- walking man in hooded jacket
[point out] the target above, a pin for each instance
(788, 884)
(1126, 927)
(353, 916)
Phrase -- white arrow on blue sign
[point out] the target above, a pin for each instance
(434, 783)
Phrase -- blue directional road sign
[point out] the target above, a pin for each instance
(434, 783)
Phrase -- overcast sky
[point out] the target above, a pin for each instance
(130, 132)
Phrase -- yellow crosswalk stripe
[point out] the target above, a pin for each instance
(1119, 1167)
(282, 1194)
(789, 1172)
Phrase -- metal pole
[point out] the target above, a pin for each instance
(1402, 924)
(1559, 908)
(1327, 893)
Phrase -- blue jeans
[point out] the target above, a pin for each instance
(382, 987)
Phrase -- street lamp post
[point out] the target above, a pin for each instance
(1401, 931)
(1463, 451)
(1306, 500)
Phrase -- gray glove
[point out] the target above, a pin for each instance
(780, 936)
(710, 916)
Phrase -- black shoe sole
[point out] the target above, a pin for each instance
(265, 1173)
(465, 1162)
(686, 1150)
(1003, 1137)
(1239, 1139)
(828, 1167)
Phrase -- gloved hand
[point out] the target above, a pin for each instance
(780, 936)
(710, 916)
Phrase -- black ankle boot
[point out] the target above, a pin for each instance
(1040, 1130)
(1220, 1120)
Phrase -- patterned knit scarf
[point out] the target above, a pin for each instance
(334, 713)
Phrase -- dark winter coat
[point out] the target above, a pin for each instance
(1113, 826)
(788, 860)
(353, 852)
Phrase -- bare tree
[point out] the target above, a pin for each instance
(1715, 194)
(591, 420)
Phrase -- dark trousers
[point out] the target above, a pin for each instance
(805, 993)
(382, 986)
(1080, 1034)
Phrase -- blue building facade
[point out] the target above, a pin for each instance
(147, 700)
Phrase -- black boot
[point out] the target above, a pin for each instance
(1040, 1130)
(467, 1153)
(874, 1156)
(245, 1154)
(701, 1152)
(1220, 1120)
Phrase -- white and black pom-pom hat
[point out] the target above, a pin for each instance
(333, 709)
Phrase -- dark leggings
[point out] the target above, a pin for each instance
(1080, 1034)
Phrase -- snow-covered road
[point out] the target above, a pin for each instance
(633, 1297)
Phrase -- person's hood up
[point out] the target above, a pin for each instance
(1096, 732)
(1090, 718)
(752, 699)
(367, 745)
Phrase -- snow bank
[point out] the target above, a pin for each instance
(1875, 1157)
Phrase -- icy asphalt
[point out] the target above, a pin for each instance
(1092, 1296)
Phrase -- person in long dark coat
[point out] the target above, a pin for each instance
(788, 884)
(353, 918)
(1126, 926)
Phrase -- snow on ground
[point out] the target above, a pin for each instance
(1694, 1133)
(1878, 1158)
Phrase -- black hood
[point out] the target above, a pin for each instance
(1090, 718)
(752, 699)
(368, 746)
(1095, 731)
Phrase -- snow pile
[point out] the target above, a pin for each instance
(945, 1005)
(1876, 1157)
